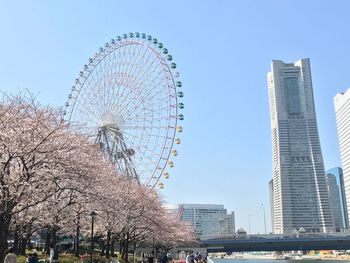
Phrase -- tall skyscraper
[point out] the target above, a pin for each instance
(342, 112)
(300, 194)
(337, 172)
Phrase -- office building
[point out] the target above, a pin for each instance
(334, 198)
(337, 172)
(207, 220)
(300, 194)
(342, 112)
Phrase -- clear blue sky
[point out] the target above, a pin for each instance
(223, 50)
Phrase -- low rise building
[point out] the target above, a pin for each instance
(208, 220)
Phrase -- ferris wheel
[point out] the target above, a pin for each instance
(126, 99)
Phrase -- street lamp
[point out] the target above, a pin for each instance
(264, 217)
(249, 223)
(93, 214)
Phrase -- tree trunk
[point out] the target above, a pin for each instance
(28, 237)
(16, 239)
(77, 237)
(134, 257)
(22, 247)
(54, 237)
(121, 248)
(108, 245)
(126, 247)
(102, 248)
(47, 241)
(112, 247)
(74, 245)
(4, 225)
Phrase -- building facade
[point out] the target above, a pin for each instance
(300, 194)
(271, 202)
(337, 172)
(334, 198)
(207, 220)
(342, 112)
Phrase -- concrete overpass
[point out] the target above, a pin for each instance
(271, 243)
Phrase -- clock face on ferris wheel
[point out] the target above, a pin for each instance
(126, 99)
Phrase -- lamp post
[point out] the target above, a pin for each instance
(264, 217)
(249, 223)
(93, 214)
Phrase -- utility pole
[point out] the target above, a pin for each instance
(264, 217)
(249, 224)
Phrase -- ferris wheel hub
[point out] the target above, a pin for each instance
(109, 121)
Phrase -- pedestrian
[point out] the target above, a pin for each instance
(159, 256)
(151, 258)
(164, 258)
(188, 257)
(56, 252)
(34, 257)
(205, 257)
(29, 257)
(52, 253)
(192, 257)
(114, 260)
(10, 256)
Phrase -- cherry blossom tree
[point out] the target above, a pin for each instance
(39, 159)
(51, 178)
(133, 214)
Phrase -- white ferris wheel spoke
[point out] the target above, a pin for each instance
(122, 140)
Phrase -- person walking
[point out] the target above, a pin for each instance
(56, 252)
(52, 253)
(151, 258)
(164, 258)
(10, 256)
(188, 257)
(34, 257)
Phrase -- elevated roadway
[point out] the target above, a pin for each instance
(278, 243)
